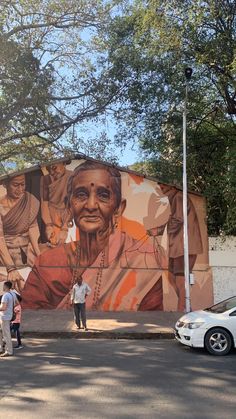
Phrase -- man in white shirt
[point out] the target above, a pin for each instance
(78, 297)
(6, 312)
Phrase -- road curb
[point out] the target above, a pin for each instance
(100, 335)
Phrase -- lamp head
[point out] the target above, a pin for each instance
(188, 72)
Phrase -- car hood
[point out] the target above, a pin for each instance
(200, 316)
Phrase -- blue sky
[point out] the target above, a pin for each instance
(129, 156)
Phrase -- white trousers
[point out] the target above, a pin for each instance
(5, 335)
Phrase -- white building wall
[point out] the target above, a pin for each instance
(222, 258)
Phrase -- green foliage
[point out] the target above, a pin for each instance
(150, 47)
(54, 76)
(66, 65)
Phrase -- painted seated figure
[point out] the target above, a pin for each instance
(19, 230)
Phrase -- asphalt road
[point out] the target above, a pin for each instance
(116, 379)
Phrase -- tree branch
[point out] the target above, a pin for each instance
(59, 23)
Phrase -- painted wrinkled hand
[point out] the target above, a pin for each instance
(17, 280)
(49, 233)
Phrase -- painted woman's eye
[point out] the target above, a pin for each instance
(81, 194)
(103, 194)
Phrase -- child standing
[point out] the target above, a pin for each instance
(15, 324)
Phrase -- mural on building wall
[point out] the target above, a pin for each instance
(123, 233)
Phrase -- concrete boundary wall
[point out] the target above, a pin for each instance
(222, 255)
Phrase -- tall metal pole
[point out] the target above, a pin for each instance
(188, 73)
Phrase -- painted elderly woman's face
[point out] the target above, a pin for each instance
(56, 171)
(93, 201)
(16, 187)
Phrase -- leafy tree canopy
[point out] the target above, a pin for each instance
(149, 47)
(53, 75)
(65, 65)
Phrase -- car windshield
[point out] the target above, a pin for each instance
(222, 306)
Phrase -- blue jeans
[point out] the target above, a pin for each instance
(15, 327)
(80, 314)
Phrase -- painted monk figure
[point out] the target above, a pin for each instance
(53, 190)
(123, 273)
(19, 230)
(176, 245)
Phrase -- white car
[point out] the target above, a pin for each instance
(213, 328)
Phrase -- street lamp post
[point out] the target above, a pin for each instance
(188, 74)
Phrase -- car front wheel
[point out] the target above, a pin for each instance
(218, 341)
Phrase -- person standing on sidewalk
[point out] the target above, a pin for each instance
(78, 297)
(6, 312)
(15, 324)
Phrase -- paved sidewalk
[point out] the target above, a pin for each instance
(114, 325)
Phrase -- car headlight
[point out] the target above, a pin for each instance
(194, 325)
